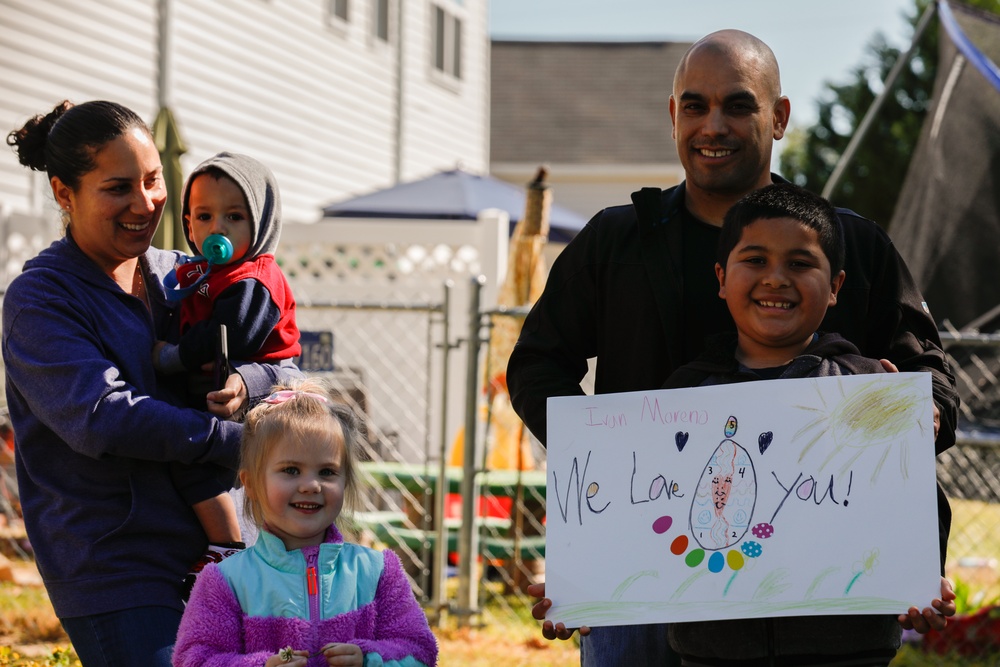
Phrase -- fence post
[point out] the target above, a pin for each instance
(439, 568)
(468, 536)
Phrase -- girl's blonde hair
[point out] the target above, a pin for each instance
(303, 412)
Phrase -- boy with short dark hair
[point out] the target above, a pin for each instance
(780, 255)
(779, 268)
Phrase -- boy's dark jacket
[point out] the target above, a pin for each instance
(616, 293)
(829, 354)
(250, 296)
(790, 640)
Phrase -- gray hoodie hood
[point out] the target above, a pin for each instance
(261, 192)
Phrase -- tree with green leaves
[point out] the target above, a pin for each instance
(872, 181)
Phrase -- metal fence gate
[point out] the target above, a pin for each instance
(379, 358)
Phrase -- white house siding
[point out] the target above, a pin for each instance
(274, 80)
(453, 115)
(312, 97)
(50, 51)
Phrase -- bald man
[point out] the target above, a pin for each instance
(637, 289)
(727, 110)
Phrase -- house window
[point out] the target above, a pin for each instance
(447, 41)
(380, 22)
(339, 9)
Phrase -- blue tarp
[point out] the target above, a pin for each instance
(452, 195)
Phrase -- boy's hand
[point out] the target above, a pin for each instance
(929, 619)
(549, 630)
(888, 366)
(343, 655)
(229, 400)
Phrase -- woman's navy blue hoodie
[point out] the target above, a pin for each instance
(95, 429)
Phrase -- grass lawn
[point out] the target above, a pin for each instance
(974, 550)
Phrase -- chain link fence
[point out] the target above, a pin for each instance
(390, 363)
(378, 358)
(512, 524)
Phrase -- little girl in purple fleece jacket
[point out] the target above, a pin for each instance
(302, 595)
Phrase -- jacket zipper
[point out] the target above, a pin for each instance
(312, 586)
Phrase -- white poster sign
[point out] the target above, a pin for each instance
(771, 498)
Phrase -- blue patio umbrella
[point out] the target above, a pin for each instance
(452, 195)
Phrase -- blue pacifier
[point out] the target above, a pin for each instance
(215, 249)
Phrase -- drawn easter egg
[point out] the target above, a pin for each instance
(694, 557)
(662, 524)
(716, 562)
(724, 500)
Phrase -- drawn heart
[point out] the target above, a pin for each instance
(681, 439)
(764, 441)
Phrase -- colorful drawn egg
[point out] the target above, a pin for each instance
(716, 562)
(662, 524)
(731, 426)
(694, 557)
(751, 549)
(763, 530)
(724, 499)
(735, 560)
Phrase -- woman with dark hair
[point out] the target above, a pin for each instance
(96, 429)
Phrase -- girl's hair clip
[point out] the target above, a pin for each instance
(279, 397)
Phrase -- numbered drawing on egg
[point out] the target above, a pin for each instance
(772, 498)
